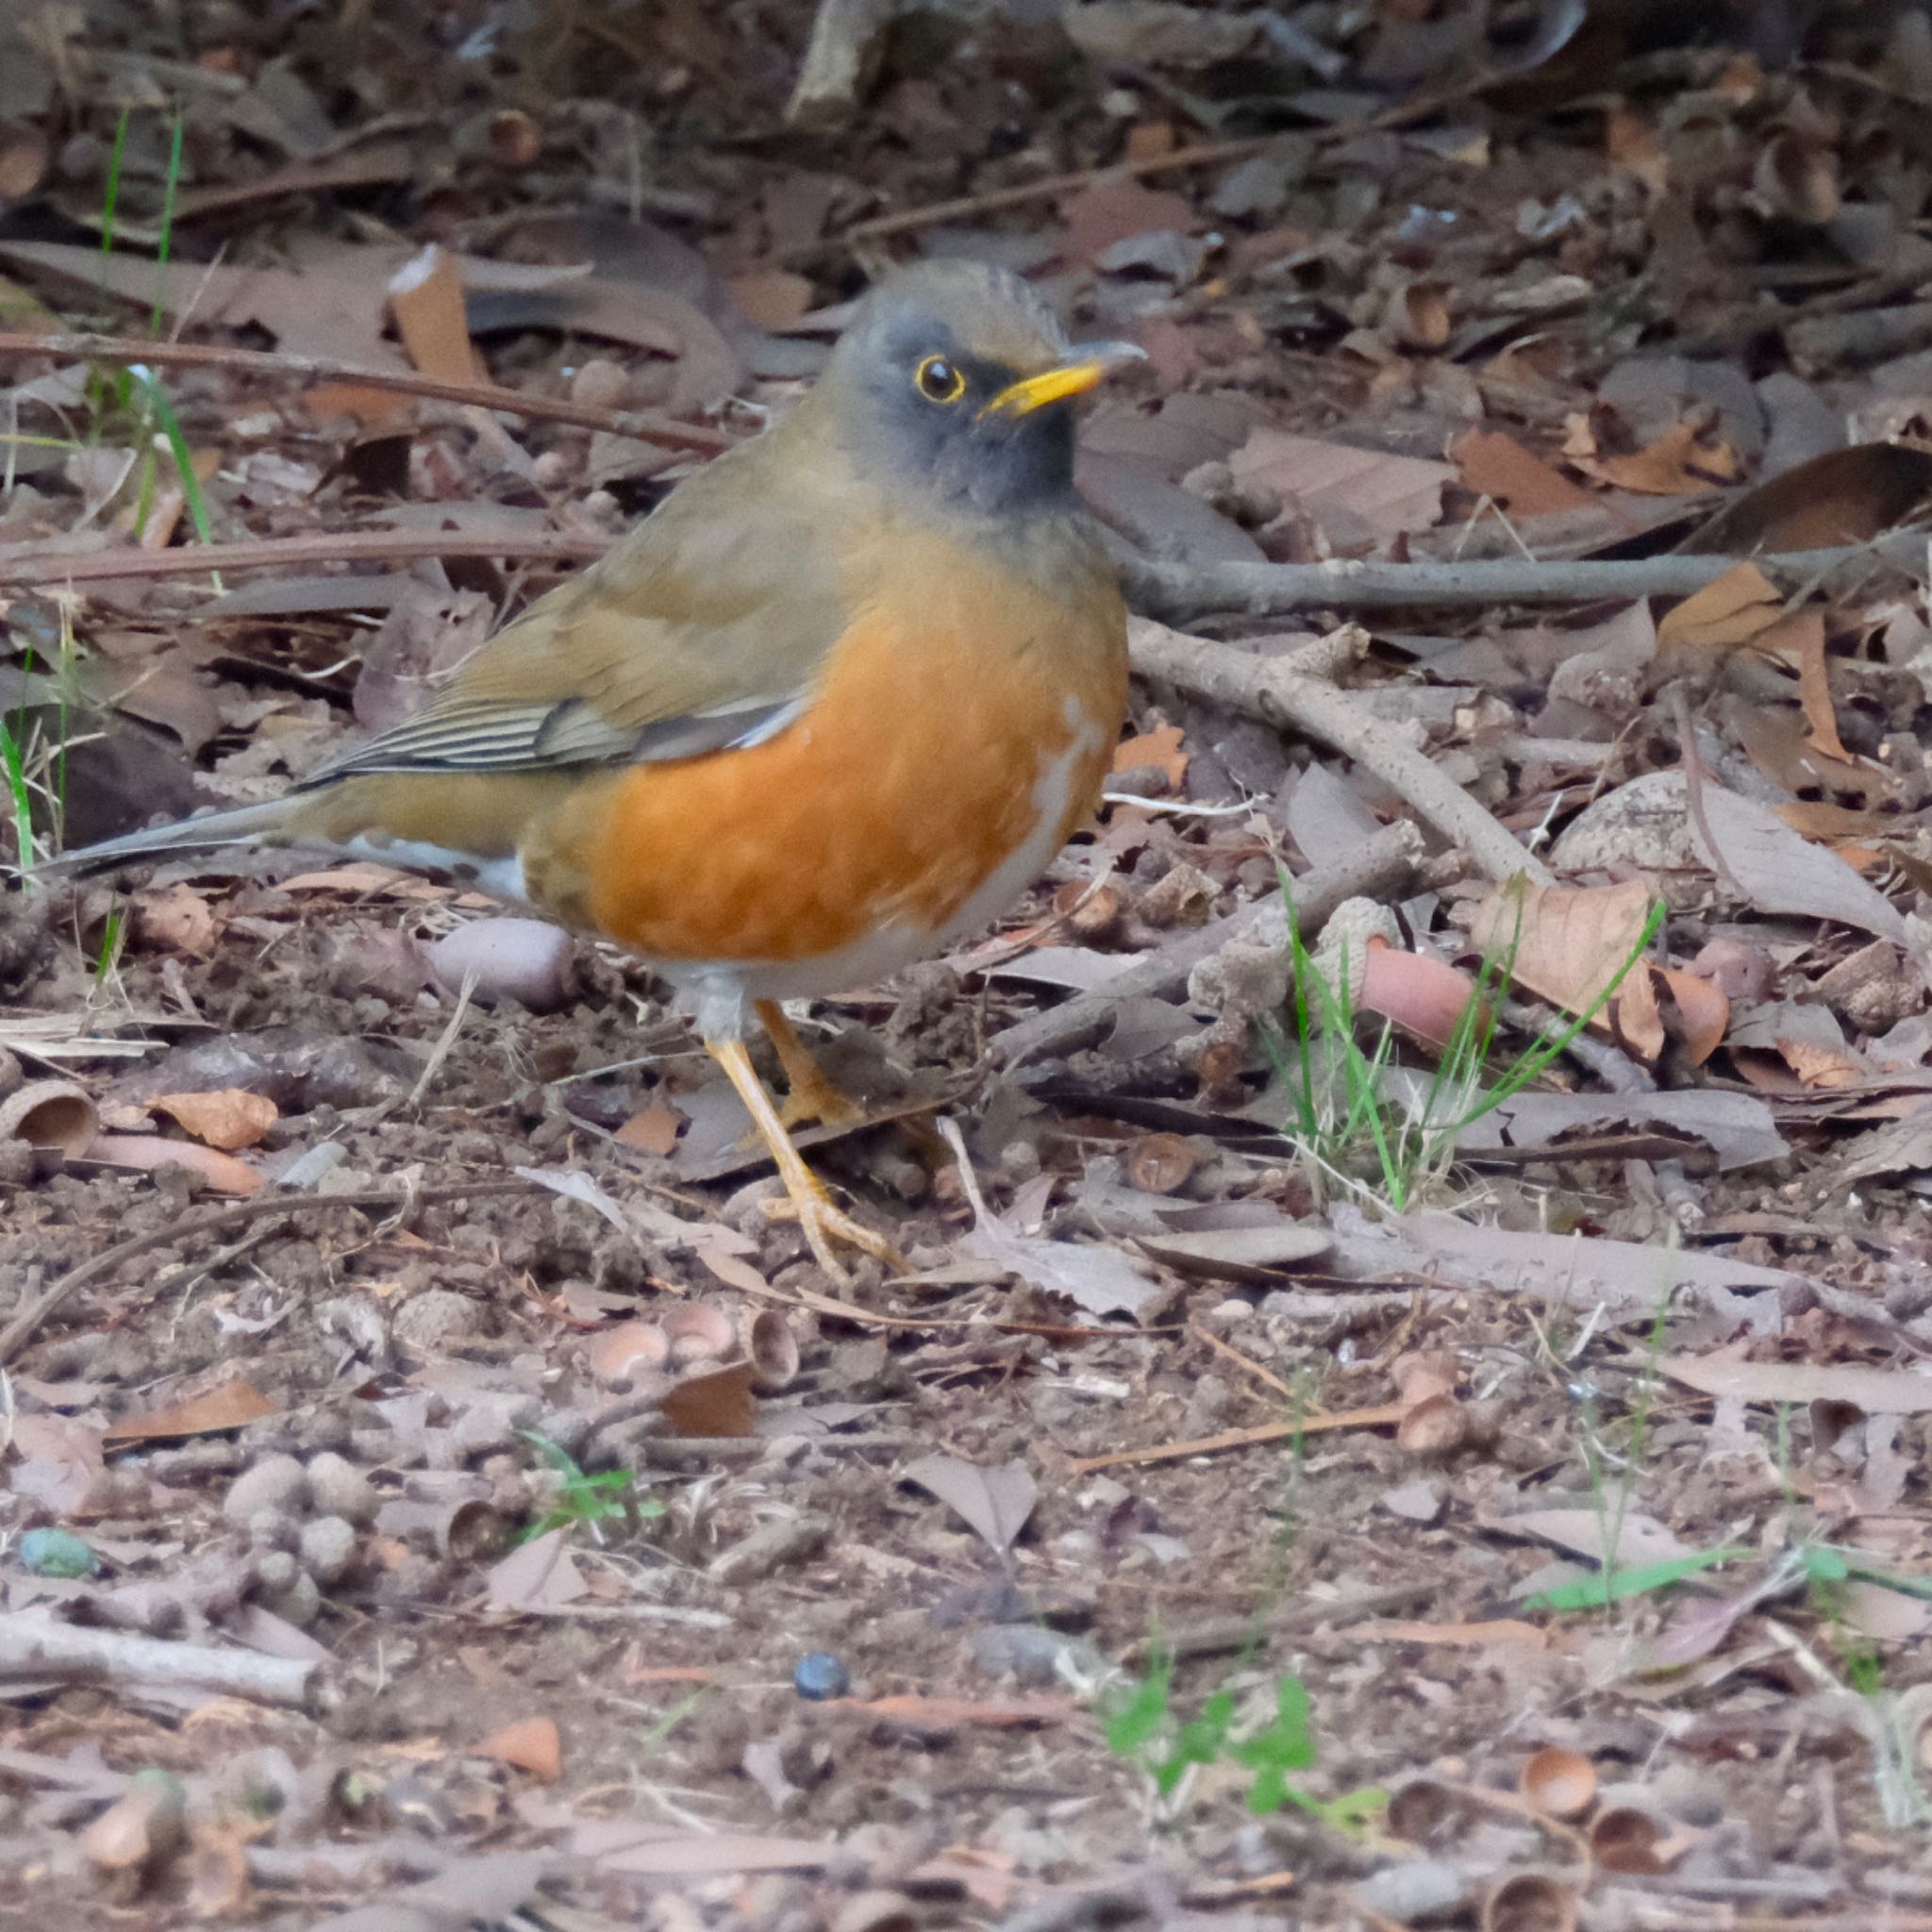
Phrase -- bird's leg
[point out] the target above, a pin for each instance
(824, 1223)
(812, 1094)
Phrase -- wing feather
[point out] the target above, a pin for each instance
(704, 628)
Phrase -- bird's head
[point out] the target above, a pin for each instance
(957, 378)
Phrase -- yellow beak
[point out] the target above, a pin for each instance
(1090, 365)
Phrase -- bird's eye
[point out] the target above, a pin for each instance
(939, 381)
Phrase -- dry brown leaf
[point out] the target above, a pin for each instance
(1495, 465)
(177, 917)
(1702, 1013)
(532, 1744)
(1730, 610)
(1780, 872)
(1631, 143)
(1162, 748)
(229, 1118)
(1678, 463)
(771, 297)
(720, 1403)
(652, 1129)
(1804, 631)
(1639, 1024)
(225, 1407)
(425, 296)
(1357, 496)
(1565, 943)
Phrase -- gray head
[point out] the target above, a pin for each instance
(958, 377)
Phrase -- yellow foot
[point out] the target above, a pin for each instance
(829, 1228)
(825, 1227)
(813, 1095)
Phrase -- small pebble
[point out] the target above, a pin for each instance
(277, 1483)
(57, 1552)
(819, 1676)
(276, 1571)
(328, 1548)
(300, 1604)
(436, 1318)
(339, 1489)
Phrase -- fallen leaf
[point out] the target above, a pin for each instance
(531, 1744)
(540, 1574)
(1780, 872)
(228, 1406)
(425, 296)
(1101, 1280)
(994, 1501)
(229, 1118)
(178, 918)
(1876, 1391)
(1357, 496)
(1161, 748)
(1565, 943)
(1730, 610)
(1678, 463)
(1805, 631)
(652, 1129)
(721, 1402)
(1636, 1540)
(1495, 465)
(1703, 1013)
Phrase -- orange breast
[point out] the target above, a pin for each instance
(944, 725)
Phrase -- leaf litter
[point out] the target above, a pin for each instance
(1159, 1349)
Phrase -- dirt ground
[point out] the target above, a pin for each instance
(437, 1491)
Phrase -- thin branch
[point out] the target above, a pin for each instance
(1381, 867)
(30, 568)
(1296, 691)
(280, 366)
(1176, 591)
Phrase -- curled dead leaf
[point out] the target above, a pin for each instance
(532, 1744)
(229, 1118)
(1559, 1783)
(142, 1827)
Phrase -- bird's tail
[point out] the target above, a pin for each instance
(242, 824)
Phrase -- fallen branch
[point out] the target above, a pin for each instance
(35, 1647)
(1380, 1417)
(129, 350)
(1382, 867)
(1296, 691)
(29, 568)
(1177, 592)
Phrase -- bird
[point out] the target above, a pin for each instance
(836, 702)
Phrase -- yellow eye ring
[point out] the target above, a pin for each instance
(937, 380)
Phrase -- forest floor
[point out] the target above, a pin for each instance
(1309, 1472)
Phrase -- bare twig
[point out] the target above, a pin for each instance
(57, 566)
(1381, 867)
(1295, 691)
(34, 1646)
(1175, 592)
(275, 363)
